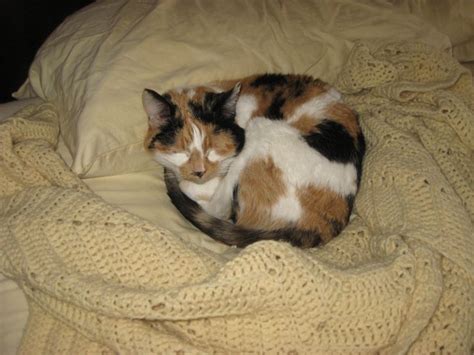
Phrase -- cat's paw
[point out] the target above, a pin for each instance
(217, 209)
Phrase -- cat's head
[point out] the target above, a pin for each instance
(193, 131)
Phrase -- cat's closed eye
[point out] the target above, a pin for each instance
(213, 156)
(177, 159)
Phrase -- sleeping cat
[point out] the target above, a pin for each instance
(278, 155)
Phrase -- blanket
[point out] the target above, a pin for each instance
(398, 279)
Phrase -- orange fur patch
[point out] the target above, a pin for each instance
(261, 186)
(323, 209)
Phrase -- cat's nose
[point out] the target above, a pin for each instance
(199, 174)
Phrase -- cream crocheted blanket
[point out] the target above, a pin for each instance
(399, 278)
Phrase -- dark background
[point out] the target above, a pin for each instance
(24, 25)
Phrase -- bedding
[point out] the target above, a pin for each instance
(95, 66)
(454, 18)
(108, 265)
(13, 306)
(398, 279)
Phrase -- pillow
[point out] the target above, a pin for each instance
(452, 17)
(96, 64)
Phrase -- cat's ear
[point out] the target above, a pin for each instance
(230, 103)
(156, 107)
(224, 103)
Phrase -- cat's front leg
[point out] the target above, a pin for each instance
(220, 204)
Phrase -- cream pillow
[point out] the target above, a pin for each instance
(453, 17)
(96, 64)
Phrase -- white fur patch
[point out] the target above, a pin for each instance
(220, 204)
(198, 139)
(199, 192)
(225, 164)
(191, 92)
(288, 208)
(317, 106)
(246, 106)
(171, 160)
(213, 156)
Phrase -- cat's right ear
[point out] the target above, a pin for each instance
(156, 107)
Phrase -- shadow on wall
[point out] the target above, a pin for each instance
(24, 26)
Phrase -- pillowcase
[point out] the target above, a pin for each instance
(452, 17)
(95, 66)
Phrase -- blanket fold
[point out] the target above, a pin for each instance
(398, 279)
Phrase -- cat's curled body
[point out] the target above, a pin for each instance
(279, 155)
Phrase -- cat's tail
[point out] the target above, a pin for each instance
(227, 232)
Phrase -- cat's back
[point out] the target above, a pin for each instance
(304, 147)
(308, 108)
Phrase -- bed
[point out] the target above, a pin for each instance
(95, 259)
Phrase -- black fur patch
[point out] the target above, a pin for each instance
(333, 141)
(216, 101)
(298, 86)
(350, 201)
(336, 226)
(211, 112)
(274, 110)
(169, 131)
(360, 156)
(235, 204)
(270, 80)
(301, 238)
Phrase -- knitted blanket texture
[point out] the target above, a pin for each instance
(399, 279)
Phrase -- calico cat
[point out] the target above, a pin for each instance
(278, 155)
